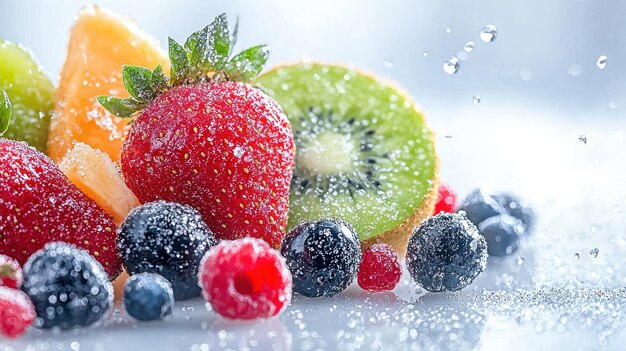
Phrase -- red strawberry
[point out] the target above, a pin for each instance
(38, 204)
(209, 140)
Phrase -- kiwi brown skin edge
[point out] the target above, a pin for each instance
(397, 237)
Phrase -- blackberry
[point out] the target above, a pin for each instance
(148, 297)
(67, 286)
(446, 253)
(502, 234)
(169, 239)
(479, 205)
(323, 256)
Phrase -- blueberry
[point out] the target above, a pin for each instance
(479, 205)
(518, 209)
(148, 297)
(169, 239)
(67, 286)
(502, 234)
(446, 253)
(323, 256)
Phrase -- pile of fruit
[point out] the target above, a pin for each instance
(198, 176)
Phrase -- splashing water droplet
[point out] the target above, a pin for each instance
(526, 74)
(594, 252)
(576, 256)
(388, 65)
(583, 139)
(476, 99)
(575, 70)
(489, 33)
(602, 61)
(451, 66)
(469, 46)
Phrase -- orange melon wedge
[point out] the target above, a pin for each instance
(100, 42)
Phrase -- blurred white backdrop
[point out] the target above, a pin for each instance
(540, 40)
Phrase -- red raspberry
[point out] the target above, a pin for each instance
(446, 199)
(245, 279)
(16, 312)
(10, 272)
(380, 269)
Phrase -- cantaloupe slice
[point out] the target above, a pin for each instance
(100, 43)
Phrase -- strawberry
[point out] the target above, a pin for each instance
(206, 138)
(38, 204)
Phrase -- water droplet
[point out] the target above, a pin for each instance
(469, 46)
(594, 252)
(576, 256)
(451, 66)
(526, 74)
(602, 61)
(425, 53)
(583, 139)
(388, 65)
(75, 345)
(575, 70)
(520, 260)
(448, 30)
(489, 33)
(476, 99)
(238, 152)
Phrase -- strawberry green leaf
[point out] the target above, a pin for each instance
(180, 64)
(6, 109)
(158, 80)
(121, 107)
(137, 82)
(233, 37)
(196, 47)
(248, 63)
(219, 43)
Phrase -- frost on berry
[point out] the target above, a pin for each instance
(10, 272)
(380, 269)
(245, 279)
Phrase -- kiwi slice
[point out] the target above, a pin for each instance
(363, 151)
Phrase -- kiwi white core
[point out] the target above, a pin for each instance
(329, 154)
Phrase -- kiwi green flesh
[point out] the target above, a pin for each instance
(31, 93)
(363, 151)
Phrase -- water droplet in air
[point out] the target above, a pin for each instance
(576, 256)
(575, 70)
(448, 30)
(425, 53)
(594, 252)
(74, 345)
(526, 74)
(469, 46)
(489, 33)
(451, 66)
(583, 139)
(388, 65)
(602, 61)
(476, 99)
(238, 152)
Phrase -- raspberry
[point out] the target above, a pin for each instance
(10, 272)
(245, 279)
(16, 312)
(446, 199)
(379, 270)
